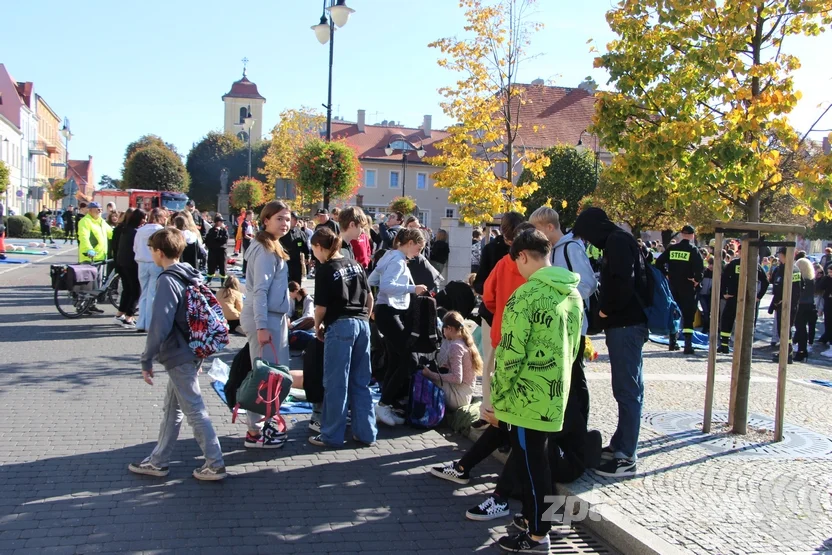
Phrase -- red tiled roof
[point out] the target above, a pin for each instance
(79, 169)
(24, 89)
(10, 107)
(243, 89)
(561, 114)
(375, 138)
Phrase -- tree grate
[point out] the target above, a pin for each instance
(686, 427)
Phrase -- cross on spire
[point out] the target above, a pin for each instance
(245, 63)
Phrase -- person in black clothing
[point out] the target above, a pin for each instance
(623, 287)
(215, 241)
(69, 225)
(440, 252)
(729, 292)
(199, 221)
(825, 288)
(296, 244)
(45, 219)
(389, 229)
(705, 295)
(128, 268)
(777, 280)
(807, 313)
(248, 234)
(683, 265)
(325, 221)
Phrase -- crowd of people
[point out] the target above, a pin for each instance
(534, 289)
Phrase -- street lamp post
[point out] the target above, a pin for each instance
(595, 150)
(401, 144)
(339, 14)
(67, 136)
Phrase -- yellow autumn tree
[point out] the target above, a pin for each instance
(483, 155)
(700, 110)
(294, 131)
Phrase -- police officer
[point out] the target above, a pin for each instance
(684, 266)
(296, 244)
(730, 289)
(777, 279)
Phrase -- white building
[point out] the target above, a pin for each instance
(18, 111)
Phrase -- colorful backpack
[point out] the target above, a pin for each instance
(426, 407)
(207, 327)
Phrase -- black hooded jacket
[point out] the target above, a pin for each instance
(623, 275)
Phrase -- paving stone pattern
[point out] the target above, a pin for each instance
(75, 412)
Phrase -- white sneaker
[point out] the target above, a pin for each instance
(128, 325)
(118, 320)
(385, 415)
(827, 353)
(315, 426)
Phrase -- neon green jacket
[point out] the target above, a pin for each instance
(91, 232)
(539, 342)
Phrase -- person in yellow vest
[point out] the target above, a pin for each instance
(93, 235)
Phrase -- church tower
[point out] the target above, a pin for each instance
(242, 98)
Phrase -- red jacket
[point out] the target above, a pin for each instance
(503, 280)
(362, 250)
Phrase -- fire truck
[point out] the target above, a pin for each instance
(147, 200)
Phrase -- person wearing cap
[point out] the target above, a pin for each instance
(215, 241)
(776, 307)
(729, 292)
(683, 265)
(93, 235)
(190, 206)
(296, 244)
(324, 221)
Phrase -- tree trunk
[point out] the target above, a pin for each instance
(747, 341)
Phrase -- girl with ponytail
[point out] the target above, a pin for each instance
(459, 362)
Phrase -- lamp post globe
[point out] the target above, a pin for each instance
(340, 13)
(322, 30)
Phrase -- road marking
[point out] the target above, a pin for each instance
(19, 266)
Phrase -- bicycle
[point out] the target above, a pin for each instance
(74, 300)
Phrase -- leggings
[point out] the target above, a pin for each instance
(131, 289)
(390, 323)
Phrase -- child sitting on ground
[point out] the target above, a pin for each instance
(459, 363)
(231, 300)
(301, 316)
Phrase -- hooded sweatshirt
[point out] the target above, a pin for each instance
(140, 247)
(501, 283)
(623, 275)
(168, 329)
(393, 279)
(541, 331)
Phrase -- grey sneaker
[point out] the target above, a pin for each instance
(210, 474)
(148, 469)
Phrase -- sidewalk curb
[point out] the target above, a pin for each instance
(609, 524)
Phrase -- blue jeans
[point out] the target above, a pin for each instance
(148, 274)
(625, 347)
(347, 376)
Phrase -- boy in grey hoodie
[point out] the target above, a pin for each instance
(167, 340)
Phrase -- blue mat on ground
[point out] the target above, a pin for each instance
(826, 383)
(288, 406)
(13, 261)
(700, 340)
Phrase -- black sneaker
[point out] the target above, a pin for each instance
(518, 525)
(607, 454)
(491, 508)
(723, 350)
(452, 473)
(523, 543)
(95, 310)
(148, 469)
(617, 468)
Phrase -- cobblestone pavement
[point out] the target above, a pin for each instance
(75, 412)
(721, 502)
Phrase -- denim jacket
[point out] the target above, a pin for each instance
(393, 280)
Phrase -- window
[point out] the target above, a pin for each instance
(450, 212)
(370, 178)
(243, 114)
(421, 181)
(424, 217)
(394, 180)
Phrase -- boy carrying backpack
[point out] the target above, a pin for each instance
(171, 337)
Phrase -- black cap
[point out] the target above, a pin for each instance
(295, 215)
(688, 230)
(321, 211)
(190, 203)
(219, 218)
(781, 250)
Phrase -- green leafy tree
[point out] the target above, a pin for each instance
(295, 129)
(56, 189)
(4, 177)
(107, 182)
(330, 169)
(18, 226)
(206, 161)
(156, 168)
(569, 177)
(702, 95)
(405, 205)
(238, 164)
(247, 193)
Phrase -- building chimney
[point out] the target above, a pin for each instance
(426, 125)
(360, 123)
(538, 82)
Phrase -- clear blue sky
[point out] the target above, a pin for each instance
(119, 70)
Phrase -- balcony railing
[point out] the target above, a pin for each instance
(38, 148)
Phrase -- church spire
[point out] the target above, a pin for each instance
(245, 63)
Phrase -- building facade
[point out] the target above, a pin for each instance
(49, 152)
(18, 106)
(10, 139)
(242, 98)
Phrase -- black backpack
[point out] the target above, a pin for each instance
(421, 325)
(593, 307)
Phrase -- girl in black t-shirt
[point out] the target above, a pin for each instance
(343, 303)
